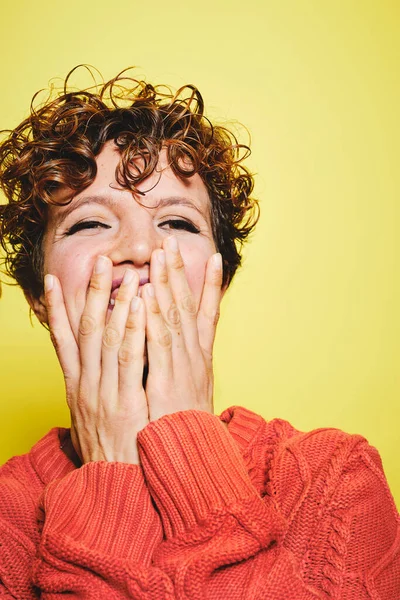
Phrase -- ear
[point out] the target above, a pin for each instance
(38, 306)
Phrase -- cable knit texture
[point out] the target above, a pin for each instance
(252, 511)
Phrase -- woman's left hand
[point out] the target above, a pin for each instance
(180, 335)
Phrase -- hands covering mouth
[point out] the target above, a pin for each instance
(149, 356)
(116, 285)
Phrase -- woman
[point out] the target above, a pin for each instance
(124, 206)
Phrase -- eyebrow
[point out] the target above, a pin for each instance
(111, 202)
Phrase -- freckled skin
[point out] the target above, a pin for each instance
(134, 231)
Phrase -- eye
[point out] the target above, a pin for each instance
(86, 225)
(180, 224)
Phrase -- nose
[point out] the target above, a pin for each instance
(136, 240)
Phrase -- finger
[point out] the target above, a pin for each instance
(113, 336)
(131, 353)
(60, 329)
(182, 297)
(209, 309)
(93, 319)
(163, 293)
(159, 338)
(183, 351)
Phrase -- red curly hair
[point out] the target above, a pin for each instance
(57, 145)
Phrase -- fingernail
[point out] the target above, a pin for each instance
(161, 257)
(173, 244)
(217, 261)
(150, 289)
(48, 283)
(135, 303)
(128, 276)
(100, 264)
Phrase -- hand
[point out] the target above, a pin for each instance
(180, 336)
(103, 371)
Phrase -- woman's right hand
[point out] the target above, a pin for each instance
(103, 371)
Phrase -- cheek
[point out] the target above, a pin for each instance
(195, 270)
(74, 272)
(196, 281)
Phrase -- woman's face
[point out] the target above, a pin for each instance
(106, 219)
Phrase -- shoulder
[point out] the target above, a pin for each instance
(342, 521)
(18, 482)
(310, 450)
(342, 524)
(23, 478)
(31, 464)
(324, 449)
(308, 467)
(19, 492)
(297, 467)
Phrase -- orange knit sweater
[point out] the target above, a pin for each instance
(258, 511)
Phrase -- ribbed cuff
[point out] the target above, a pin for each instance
(105, 507)
(193, 467)
(244, 425)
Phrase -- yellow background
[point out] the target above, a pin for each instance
(310, 328)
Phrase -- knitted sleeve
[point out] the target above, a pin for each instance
(222, 540)
(356, 550)
(98, 532)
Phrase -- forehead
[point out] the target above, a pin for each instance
(162, 184)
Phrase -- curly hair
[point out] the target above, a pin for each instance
(57, 145)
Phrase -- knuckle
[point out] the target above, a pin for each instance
(173, 315)
(126, 355)
(164, 339)
(111, 337)
(96, 283)
(177, 263)
(87, 325)
(163, 277)
(189, 304)
(123, 296)
(131, 323)
(154, 307)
